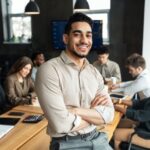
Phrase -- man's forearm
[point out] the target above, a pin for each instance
(89, 115)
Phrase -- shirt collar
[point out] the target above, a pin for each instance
(145, 71)
(67, 59)
(106, 64)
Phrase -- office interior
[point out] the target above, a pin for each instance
(126, 22)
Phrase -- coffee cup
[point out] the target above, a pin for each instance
(113, 80)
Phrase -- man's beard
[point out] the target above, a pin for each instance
(79, 55)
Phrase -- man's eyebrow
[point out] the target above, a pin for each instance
(76, 31)
(79, 31)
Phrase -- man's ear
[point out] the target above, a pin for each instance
(140, 68)
(107, 55)
(65, 38)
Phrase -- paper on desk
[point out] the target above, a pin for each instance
(4, 129)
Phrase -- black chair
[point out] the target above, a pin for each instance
(130, 146)
(4, 105)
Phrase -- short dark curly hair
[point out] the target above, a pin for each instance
(77, 17)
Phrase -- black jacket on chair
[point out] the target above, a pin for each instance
(4, 106)
(140, 111)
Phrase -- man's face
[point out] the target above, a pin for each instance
(134, 71)
(79, 41)
(39, 59)
(103, 58)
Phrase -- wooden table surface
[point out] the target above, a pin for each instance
(29, 108)
(33, 136)
(23, 133)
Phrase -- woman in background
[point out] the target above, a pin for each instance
(19, 86)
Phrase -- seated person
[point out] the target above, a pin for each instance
(19, 87)
(138, 117)
(141, 85)
(37, 59)
(107, 67)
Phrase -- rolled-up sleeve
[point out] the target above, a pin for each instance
(51, 100)
(106, 111)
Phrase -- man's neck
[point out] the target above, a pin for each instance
(78, 61)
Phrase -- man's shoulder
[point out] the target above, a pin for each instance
(111, 62)
(96, 63)
(51, 62)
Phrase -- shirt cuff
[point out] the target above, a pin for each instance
(77, 121)
(107, 113)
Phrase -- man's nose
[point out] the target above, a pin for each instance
(83, 38)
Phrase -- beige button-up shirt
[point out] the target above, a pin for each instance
(61, 84)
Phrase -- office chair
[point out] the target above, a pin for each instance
(4, 106)
(130, 146)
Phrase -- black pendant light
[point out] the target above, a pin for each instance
(81, 4)
(32, 8)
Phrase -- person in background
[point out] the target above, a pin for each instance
(137, 120)
(141, 85)
(107, 67)
(37, 59)
(19, 87)
(71, 92)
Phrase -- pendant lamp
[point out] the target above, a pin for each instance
(81, 4)
(32, 8)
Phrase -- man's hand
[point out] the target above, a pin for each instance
(100, 100)
(72, 110)
(114, 86)
(120, 109)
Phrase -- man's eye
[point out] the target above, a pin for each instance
(89, 35)
(76, 34)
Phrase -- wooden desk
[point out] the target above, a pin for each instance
(26, 136)
(33, 136)
(28, 108)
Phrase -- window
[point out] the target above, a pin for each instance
(17, 25)
(99, 10)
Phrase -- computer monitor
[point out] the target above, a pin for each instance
(57, 30)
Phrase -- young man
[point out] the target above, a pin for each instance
(107, 67)
(71, 92)
(38, 59)
(141, 85)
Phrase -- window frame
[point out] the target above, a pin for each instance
(10, 16)
(102, 11)
(7, 25)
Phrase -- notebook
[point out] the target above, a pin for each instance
(4, 129)
(6, 124)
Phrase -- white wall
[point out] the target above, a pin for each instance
(146, 34)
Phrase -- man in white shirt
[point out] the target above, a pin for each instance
(141, 85)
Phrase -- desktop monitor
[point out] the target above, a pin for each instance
(57, 30)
